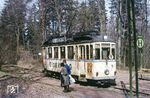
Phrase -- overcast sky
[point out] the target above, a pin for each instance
(1, 4)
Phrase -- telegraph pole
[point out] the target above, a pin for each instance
(130, 53)
(135, 48)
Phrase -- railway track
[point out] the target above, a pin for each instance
(127, 90)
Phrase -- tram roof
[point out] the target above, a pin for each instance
(77, 38)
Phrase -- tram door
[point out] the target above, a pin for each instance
(81, 57)
(89, 64)
(77, 59)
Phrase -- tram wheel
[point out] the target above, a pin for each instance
(114, 82)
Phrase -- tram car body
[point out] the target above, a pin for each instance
(92, 57)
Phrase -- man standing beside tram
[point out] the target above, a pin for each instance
(65, 74)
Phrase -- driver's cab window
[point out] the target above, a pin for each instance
(105, 53)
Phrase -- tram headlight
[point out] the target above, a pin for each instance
(106, 72)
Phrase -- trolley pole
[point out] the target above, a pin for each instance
(129, 41)
(135, 48)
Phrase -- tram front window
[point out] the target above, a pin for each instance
(105, 53)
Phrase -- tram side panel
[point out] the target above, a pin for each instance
(54, 65)
(90, 70)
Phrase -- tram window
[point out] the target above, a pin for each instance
(113, 53)
(97, 53)
(105, 53)
(55, 52)
(50, 52)
(45, 49)
(70, 52)
(62, 52)
(91, 51)
(87, 51)
(47, 56)
(82, 48)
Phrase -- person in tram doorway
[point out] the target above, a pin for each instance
(65, 78)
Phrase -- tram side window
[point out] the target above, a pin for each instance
(50, 52)
(82, 49)
(91, 51)
(62, 52)
(70, 52)
(55, 52)
(105, 53)
(97, 53)
(87, 51)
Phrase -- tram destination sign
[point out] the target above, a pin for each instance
(140, 42)
(57, 40)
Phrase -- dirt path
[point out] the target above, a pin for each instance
(33, 84)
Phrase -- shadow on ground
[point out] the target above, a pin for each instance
(94, 85)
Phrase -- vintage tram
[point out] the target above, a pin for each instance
(92, 57)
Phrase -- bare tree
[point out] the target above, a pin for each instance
(102, 15)
(13, 17)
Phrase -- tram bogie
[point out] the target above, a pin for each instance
(90, 60)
